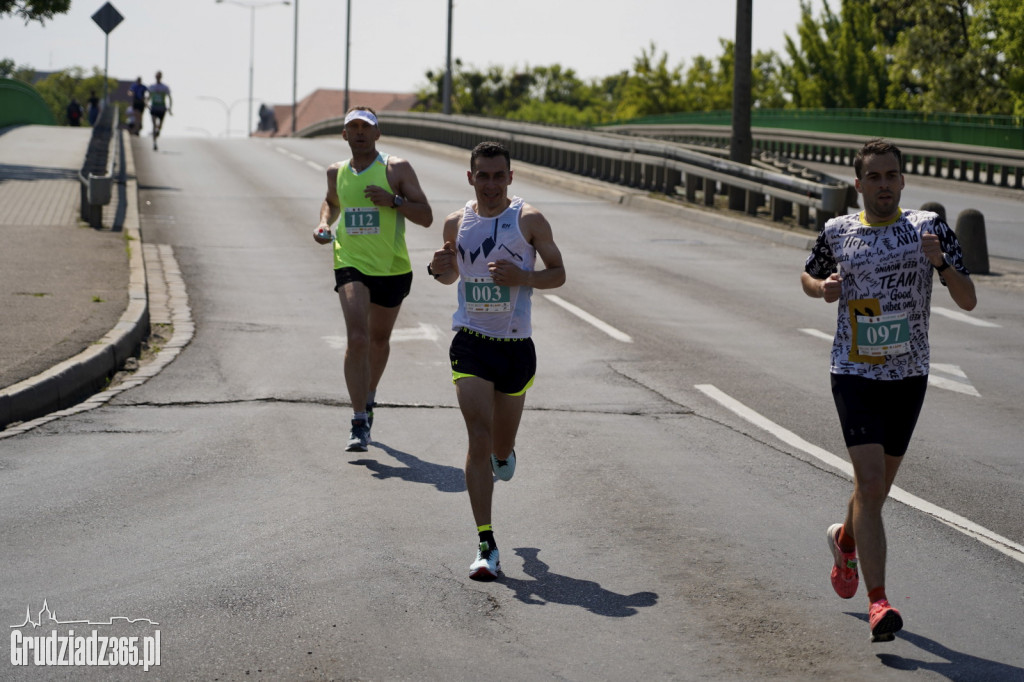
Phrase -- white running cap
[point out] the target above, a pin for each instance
(361, 115)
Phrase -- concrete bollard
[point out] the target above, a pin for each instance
(935, 207)
(970, 231)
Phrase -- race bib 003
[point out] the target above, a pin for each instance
(484, 296)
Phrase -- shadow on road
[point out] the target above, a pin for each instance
(957, 666)
(547, 587)
(445, 478)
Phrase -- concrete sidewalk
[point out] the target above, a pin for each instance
(73, 300)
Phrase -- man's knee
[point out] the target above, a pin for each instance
(358, 341)
(871, 490)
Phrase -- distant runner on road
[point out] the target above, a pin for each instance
(159, 104)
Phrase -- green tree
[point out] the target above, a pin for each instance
(1003, 20)
(58, 88)
(840, 61)
(941, 59)
(34, 10)
(708, 84)
(652, 87)
(8, 69)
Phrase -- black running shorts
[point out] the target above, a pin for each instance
(386, 291)
(509, 364)
(876, 411)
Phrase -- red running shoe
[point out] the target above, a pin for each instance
(844, 571)
(885, 621)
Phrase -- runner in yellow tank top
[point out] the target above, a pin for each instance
(374, 194)
(369, 238)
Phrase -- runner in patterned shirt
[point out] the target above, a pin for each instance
(878, 265)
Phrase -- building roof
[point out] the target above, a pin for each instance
(324, 104)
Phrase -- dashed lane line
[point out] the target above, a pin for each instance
(964, 317)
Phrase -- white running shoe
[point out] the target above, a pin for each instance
(487, 566)
(359, 437)
(504, 469)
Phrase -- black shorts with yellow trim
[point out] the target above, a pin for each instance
(509, 364)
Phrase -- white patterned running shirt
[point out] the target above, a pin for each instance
(883, 310)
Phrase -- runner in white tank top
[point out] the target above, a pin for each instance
(485, 307)
(490, 248)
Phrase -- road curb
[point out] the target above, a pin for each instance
(77, 378)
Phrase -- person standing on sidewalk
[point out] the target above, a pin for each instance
(490, 248)
(878, 264)
(375, 193)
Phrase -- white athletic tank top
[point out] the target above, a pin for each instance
(500, 312)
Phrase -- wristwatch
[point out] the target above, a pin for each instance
(430, 271)
(946, 262)
(397, 201)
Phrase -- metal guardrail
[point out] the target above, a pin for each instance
(980, 130)
(641, 163)
(983, 165)
(97, 174)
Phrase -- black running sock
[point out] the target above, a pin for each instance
(487, 535)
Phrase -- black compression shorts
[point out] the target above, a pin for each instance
(876, 411)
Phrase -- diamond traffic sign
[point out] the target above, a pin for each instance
(107, 18)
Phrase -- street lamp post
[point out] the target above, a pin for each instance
(348, 47)
(227, 110)
(446, 89)
(295, 66)
(253, 6)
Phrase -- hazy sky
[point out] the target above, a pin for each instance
(203, 47)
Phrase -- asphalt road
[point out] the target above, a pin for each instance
(655, 529)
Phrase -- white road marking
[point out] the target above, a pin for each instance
(1004, 545)
(956, 379)
(297, 157)
(424, 332)
(817, 334)
(964, 317)
(957, 382)
(587, 317)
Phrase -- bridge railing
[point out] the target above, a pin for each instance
(967, 163)
(656, 166)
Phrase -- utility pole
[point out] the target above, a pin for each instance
(447, 89)
(295, 68)
(348, 46)
(741, 145)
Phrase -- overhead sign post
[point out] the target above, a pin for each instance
(107, 18)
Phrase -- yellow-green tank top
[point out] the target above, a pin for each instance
(369, 238)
